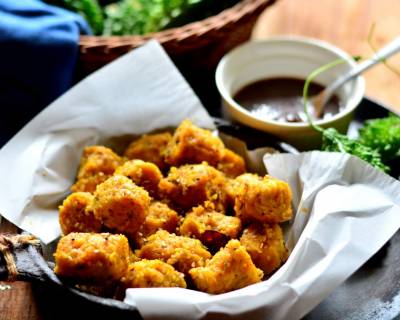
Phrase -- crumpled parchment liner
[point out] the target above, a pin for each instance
(345, 210)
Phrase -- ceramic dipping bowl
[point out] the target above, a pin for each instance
(287, 57)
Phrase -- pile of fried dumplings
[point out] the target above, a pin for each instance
(174, 210)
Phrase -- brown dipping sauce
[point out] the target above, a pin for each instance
(281, 99)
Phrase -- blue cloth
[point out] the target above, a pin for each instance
(38, 53)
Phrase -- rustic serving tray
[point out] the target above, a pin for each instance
(372, 292)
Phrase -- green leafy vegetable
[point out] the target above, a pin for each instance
(383, 135)
(126, 17)
(332, 140)
(89, 9)
(335, 142)
(146, 16)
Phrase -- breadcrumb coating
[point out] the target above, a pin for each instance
(160, 216)
(266, 246)
(231, 268)
(149, 148)
(121, 205)
(98, 258)
(191, 144)
(264, 199)
(181, 252)
(205, 184)
(190, 185)
(97, 159)
(231, 189)
(201, 219)
(89, 184)
(74, 215)
(231, 164)
(144, 174)
(97, 164)
(152, 274)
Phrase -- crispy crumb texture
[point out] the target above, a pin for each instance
(201, 219)
(263, 199)
(152, 274)
(191, 185)
(121, 205)
(231, 268)
(181, 252)
(266, 246)
(97, 164)
(75, 214)
(179, 210)
(143, 174)
(149, 148)
(98, 258)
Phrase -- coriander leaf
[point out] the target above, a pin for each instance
(383, 135)
(333, 141)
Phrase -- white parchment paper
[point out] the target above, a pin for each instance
(135, 94)
(345, 209)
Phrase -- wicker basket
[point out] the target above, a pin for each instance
(196, 48)
(197, 45)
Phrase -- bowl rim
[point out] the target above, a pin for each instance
(320, 44)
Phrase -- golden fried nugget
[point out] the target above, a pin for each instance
(121, 205)
(190, 185)
(191, 144)
(231, 268)
(264, 199)
(97, 159)
(181, 252)
(265, 245)
(201, 219)
(144, 174)
(160, 216)
(89, 184)
(97, 164)
(75, 216)
(97, 258)
(133, 257)
(149, 148)
(152, 274)
(231, 164)
(231, 189)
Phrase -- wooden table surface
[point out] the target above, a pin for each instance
(345, 23)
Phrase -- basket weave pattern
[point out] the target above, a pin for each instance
(199, 44)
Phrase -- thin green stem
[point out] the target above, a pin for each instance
(307, 84)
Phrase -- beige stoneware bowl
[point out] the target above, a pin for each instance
(287, 57)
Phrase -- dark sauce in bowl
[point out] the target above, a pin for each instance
(281, 99)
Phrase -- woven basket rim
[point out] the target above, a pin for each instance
(222, 20)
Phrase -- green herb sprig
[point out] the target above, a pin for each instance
(334, 141)
(383, 135)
